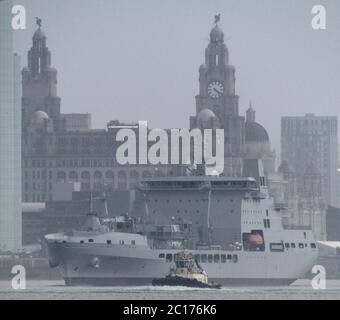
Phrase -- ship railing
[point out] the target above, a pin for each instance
(202, 248)
(148, 187)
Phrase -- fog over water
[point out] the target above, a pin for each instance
(139, 60)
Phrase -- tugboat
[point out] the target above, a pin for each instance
(187, 273)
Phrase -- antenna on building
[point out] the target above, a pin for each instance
(217, 18)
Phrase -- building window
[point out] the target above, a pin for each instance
(122, 180)
(204, 258)
(61, 176)
(109, 179)
(266, 223)
(210, 258)
(161, 256)
(169, 257)
(216, 258)
(73, 176)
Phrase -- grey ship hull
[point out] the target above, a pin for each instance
(269, 254)
(134, 266)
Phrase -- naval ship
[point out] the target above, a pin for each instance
(231, 226)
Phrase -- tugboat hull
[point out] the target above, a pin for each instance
(184, 282)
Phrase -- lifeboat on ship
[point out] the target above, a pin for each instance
(255, 239)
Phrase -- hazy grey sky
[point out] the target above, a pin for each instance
(139, 59)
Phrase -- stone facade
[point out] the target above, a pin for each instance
(60, 147)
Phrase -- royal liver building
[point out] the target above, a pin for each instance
(62, 148)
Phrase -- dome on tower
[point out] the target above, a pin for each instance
(39, 117)
(216, 34)
(39, 34)
(203, 67)
(207, 119)
(205, 115)
(254, 132)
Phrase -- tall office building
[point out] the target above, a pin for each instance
(10, 135)
(311, 142)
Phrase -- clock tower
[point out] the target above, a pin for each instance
(217, 102)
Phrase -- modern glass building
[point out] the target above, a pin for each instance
(10, 135)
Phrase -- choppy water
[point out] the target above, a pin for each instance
(55, 290)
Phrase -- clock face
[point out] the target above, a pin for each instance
(215, 89)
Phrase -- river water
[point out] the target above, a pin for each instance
(55, 290)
